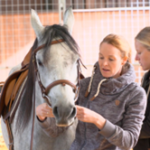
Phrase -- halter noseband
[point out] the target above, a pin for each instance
(63, 82)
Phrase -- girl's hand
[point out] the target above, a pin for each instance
(87, 115)
(43, 111)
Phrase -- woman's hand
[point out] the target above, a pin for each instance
(43, 111)
(87, 115)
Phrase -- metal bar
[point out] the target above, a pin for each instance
(111, 9)
(61, 9)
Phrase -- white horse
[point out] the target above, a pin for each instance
(54, 62)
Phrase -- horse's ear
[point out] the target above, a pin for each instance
(69, 19)
(36, 24)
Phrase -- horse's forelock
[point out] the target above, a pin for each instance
(57, 31)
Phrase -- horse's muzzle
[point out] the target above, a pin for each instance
(64, 116)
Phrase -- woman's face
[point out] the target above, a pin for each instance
(142, 55)
(110, 60)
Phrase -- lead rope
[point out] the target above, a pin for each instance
(32, 131)
(33, 119)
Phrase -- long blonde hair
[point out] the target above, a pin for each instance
(120, 43)
(144, 37)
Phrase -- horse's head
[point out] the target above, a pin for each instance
(57, 67)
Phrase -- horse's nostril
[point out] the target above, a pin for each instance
(66, 115)
(55, 112)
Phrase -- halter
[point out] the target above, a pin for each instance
(63, 82)
(46, 90)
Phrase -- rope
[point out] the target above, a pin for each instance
(98, 89)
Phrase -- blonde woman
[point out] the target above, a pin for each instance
(111, 105)
(142, 46)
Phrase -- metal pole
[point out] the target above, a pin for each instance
(61, 9)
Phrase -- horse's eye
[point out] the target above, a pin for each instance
(40, 63)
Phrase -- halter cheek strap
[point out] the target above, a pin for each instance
(63, 82)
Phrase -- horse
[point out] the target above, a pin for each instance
(54, 66)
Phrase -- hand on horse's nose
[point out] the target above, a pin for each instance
(43, 111)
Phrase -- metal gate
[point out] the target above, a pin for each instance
(94, 19)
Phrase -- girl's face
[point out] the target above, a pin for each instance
(110, 60)
(142, 55)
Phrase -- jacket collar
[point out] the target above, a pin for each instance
(115, 85)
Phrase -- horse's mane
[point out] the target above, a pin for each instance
(26, 104)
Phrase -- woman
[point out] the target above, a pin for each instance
(111, 105)
(142, 46)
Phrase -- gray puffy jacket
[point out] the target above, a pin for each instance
(122, 102)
